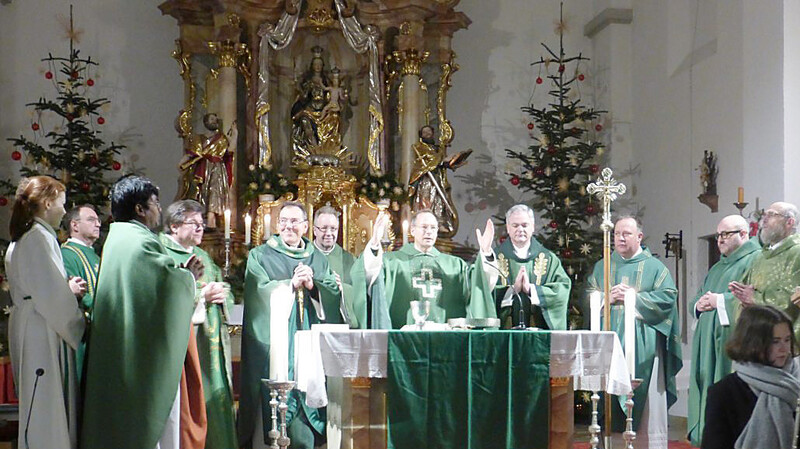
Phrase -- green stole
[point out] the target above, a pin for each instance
(774, 275)
(139, 337)
(214, 349)
(270, 266)
(710, 363)
(656, 302)
(341, 262)
(407, 275)
(552, 287)
(81, 260)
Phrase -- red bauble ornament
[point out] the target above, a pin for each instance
(581, 77)
(539, 80)
(116, 165)
(594, 168)
(90, 82)
(553, 224)
(16, 155)
(561, 68)
(552, 151)
(49, 75)
(100, 120)
(566, 254)
(530, 125)
(590, 209)
(598, 127)
(515, 180)
(85, 186)
(35, 126)
(70, 117)
(93, 161)
(3, 201)
(538, 171)
(75, 75)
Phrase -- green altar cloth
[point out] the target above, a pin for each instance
(468, 390)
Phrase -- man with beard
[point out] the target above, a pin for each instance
(775, 271)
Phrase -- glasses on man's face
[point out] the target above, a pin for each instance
(327, 229)
(428, 228)
(725, 235)
(624, 235)
(92, 220)
(195, 224)
(772, 214)
(290, 221)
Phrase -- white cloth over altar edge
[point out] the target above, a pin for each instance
(594, 359)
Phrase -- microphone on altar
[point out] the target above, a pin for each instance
(39, 374)
(521, 325)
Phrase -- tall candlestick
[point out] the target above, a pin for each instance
(405, 232)
(267, 226)
(248, 221)
(741, 195)
(596, 303)
(227, 223)
(630, 331)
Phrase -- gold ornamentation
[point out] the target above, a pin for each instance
(260, 112)
(502, 266)
(424, 87)
(245, 60)
(185, 118)
(400, 89)
(227, 52)
(378, 117)
(320, 14)
(540, 267)
(213, 75)
(445, 129)
(410, 61)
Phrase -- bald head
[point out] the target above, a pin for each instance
(778, 222)
(789, 210)
(731, 234)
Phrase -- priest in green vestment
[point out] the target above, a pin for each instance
(80, 259)
(532, 287)
(715, 308)
(326, 231)
(419, 271)
(634, 270)
(288, 287)
(775, 272)
(140, 329)
(183, 232)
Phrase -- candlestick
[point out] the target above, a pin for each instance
(630, 331)
(405, 232)
(596, 303)
(267, 226)
(227, 223)
(740, 198)
(248, 221)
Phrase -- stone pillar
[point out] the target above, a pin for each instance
(409, 59)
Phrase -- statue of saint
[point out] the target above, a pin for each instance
(207, 167)
(428, 184)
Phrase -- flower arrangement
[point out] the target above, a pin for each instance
(263, 180)
(383, 187)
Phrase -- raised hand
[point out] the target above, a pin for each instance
(378, 229)
(195, 266)
(486, 238)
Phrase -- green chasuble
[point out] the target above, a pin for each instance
(341, 262)
(269, 273)
(214, 349)
(552, 287)
(656, 302)
(709, 361)
(407, 275)
(81, 260)
(774, 275)
(139, 335)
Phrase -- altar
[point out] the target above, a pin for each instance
(471, 389)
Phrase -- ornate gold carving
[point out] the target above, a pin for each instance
(445, 129)
(320, 14)
(260, 112)
(360, 382)
(390, 75)
(213, 75)
(410, 61)
(502, 266)
(378, 117)
(424, 87)
(400, 89)
(540, 268)
(319, 180)
(185, 118)
(245, 61)
(227, 52)
(560, 382)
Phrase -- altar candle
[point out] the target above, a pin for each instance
(630, 331)
(247, 223)
(385, 236)
(405, 232)
(741, 195)
(596, 303)
(267, 226)
(227, 223)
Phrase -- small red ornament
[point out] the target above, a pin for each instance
(553, 224)
(552, 151)
(530, 125)
(538, 171)
(100, 120)
(566, 254)
(93, 161)
(49, 75)
(70, 117)
(515, 180)
(116, 165)
(16, 155)
(594, 168)
(598, 127)
(590, 209)
(539, 80)
(75, 75)
(35, 126)
(581, 77)
(3, 202)
(90, 82)
(85, 186)
(561, 68)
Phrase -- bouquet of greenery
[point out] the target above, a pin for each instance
(262, 180)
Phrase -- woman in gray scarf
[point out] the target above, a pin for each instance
(754, 407)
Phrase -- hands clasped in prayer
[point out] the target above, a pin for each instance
(707, 302)
(618, 293)
(214, 292)
(303, 277)
(522, 283)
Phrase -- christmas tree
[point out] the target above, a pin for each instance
(66, 142)
(559, 164)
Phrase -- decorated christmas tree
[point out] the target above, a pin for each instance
(559, 164)
(65, 141)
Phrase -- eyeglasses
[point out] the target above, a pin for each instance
(290, 221)
(772, 214)
(428, 227)
(327, 229)
(725, 235)
(195, 224)
(90, 220)
(625, 235)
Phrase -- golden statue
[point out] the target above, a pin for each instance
(428, 184)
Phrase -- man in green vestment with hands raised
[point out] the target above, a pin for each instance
(715, 308)
(288, 286)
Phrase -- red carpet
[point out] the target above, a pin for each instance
(672, 445)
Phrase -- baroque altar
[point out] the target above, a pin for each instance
(329, 94)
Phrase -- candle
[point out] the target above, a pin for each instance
(247, 223)
(371, 228)
(267, 226)
(741, 195)
(405, 232)
(630, 331)
(385, 236)
(227, 223)
(596, 303)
